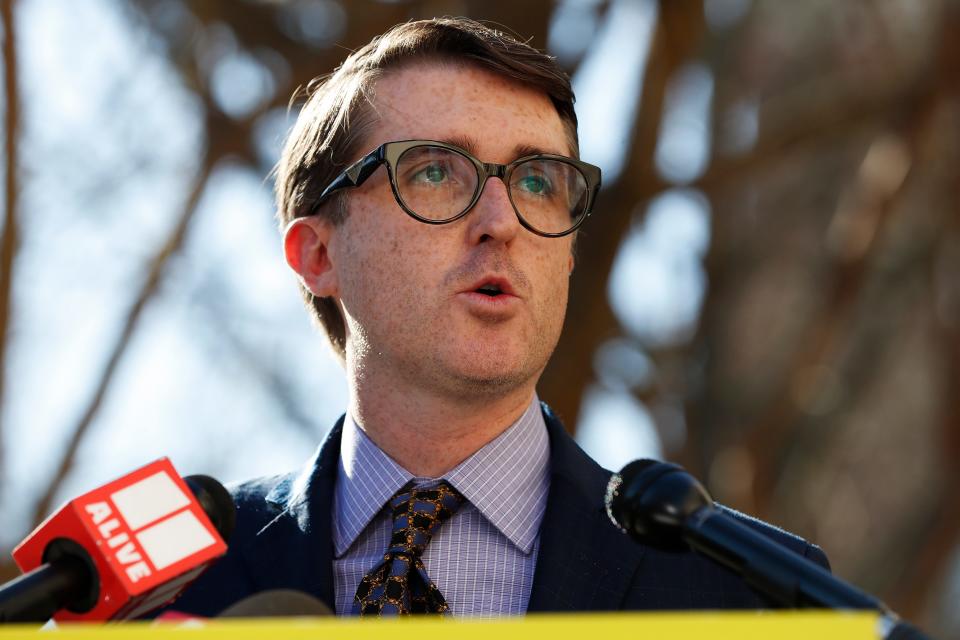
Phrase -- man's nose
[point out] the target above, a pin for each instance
(493, 217)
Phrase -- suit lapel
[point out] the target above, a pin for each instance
(295, 549)
(584, 563)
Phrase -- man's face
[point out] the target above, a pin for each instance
(408, 290)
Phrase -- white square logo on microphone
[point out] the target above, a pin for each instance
(174, 539)
(149, 499)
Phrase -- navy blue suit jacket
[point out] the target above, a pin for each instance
(283, 541)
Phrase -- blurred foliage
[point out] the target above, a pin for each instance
(819, 389)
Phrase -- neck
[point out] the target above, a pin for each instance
(429, 434)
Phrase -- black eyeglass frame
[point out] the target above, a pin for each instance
(389, 153)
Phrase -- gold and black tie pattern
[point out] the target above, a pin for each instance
(399, 584)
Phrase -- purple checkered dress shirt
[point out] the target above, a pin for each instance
(483, 558)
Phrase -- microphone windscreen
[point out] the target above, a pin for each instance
(277, 603)
(626, 481)
(216, 501)
(650, 500)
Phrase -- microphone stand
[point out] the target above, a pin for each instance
(662, 505)
(37, 595)
(66, 579)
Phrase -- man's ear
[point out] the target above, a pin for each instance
(306, 243)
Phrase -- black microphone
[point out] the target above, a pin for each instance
(277, 603)
(663, 506)
(274, 603)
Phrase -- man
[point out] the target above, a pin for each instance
(430, 194)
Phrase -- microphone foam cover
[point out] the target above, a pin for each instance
(650, 500)
(216, 501)
(277, 603)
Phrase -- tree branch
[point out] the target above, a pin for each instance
(10, 240)
(590, 320)
(157, 269)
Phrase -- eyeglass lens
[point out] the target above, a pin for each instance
(439, 184)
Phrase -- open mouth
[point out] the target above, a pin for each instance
(491, 290)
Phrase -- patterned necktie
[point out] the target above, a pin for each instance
(399, 584)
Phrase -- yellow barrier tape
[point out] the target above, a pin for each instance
(676, 626)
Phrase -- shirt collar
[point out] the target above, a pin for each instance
(507, 480)
(366, 478)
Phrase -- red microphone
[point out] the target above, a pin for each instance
(122, 550)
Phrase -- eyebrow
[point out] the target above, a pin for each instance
(470, 145)
(522, 150)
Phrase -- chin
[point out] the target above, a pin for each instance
(486, 386)
(489, 377)
(493, 366)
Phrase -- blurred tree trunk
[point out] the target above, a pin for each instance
(9, 240)
(590, 320)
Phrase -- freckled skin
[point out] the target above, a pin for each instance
(423, 365)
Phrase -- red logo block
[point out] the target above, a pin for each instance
(147, 536)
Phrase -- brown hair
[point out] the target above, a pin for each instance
(337, 113)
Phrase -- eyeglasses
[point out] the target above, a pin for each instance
(436, 183)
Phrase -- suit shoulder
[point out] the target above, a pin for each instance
(258, 501)
(685, 579)
(782, 536)
(256, 490)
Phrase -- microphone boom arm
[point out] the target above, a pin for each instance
(661, 505)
